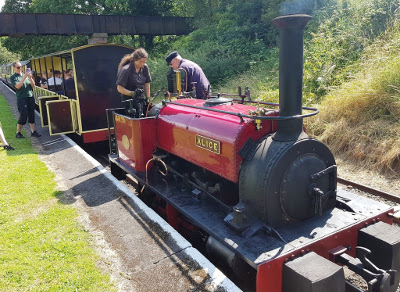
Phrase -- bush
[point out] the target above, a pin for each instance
(335, 41)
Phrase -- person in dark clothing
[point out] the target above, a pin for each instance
(133, 79)
(69, 80)
(43, 80)
(24, 84)
(36, 78)
(69, 83)
(193, 73)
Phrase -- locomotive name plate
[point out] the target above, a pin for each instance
(208, 144)
(120, 119)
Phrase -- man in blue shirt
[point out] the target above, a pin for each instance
(193, 73)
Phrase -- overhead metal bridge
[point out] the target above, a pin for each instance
(19, 24)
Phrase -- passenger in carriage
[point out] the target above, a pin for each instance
(133, 80)
(36, 78)
(43, 80)
(69, 83)
(69, 80)
(55, 83)
(56, 80)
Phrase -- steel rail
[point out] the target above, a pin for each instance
(369, 190)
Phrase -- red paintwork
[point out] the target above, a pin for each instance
(141, 135)
(172, 215)
(97, 136)
(269, 274)
(174, 218)
(177, 127)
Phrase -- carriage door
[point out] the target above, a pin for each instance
(61, 116)
(43, 108)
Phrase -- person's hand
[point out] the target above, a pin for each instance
(139, 92)
(28, 73)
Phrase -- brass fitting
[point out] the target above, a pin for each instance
(259, 112)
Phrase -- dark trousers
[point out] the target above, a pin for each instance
(26, 108)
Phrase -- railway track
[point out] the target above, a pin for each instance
(370, 190)
(378, 193)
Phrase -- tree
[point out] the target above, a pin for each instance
(7, 56)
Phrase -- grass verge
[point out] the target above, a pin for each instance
(42, 245)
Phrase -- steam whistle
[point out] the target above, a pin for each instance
(259, 112)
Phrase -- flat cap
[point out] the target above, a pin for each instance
(171, 56)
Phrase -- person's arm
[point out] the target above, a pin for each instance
(125, 91)
(19, 84)
(122, 81)
(147, 82)
(147, 90)
(31, 80)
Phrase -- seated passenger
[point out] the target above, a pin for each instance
(36, 78)
(69, 83)
(69, 80)
(43, 80)
(54, 83)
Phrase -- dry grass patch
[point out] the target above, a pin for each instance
(362, 121)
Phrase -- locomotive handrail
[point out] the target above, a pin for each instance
(254, 117)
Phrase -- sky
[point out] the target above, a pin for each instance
(1, 3)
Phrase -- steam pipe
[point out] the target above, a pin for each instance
(291, 28)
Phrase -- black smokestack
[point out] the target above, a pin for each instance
(291, 28)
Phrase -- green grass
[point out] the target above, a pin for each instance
(361, 118)
(42, 245)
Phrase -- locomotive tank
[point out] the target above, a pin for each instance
(211, 140)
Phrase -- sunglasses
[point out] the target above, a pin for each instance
(18, 67)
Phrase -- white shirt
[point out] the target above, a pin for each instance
(50, 81)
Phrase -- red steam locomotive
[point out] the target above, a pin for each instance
(261, 194)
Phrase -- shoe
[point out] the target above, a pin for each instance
(19, 135)
(8, 147)
(35, 134)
